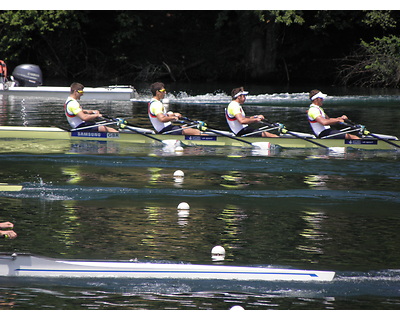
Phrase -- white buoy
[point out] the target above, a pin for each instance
(218, 253)
(183, 206)
(236, 308)
(179, 173)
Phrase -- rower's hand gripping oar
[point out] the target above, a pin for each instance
(365, 132)
(282, 129)
(202, 126)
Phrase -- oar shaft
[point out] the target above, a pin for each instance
(297, 136)
(306, 139)
(232, 137)
(220, 133)
(142, 133)
(127, 126)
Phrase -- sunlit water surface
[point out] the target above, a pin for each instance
(305, 209)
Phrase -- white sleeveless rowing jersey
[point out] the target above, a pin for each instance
(155, 107)
(313, 112)
(72, 108)
(233, 109)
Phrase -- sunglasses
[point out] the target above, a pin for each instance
(162, 90)
(79, 91)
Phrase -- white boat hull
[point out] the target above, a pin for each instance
(25, 265)
(124, 93)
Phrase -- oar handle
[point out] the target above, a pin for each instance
(353, 125)
(6, 236)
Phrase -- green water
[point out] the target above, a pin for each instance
(301, 209)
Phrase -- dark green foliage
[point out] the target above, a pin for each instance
(280, 46)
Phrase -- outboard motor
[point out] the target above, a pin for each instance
(28, 75)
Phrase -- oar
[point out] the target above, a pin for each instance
(255, 144)
(124, 125)
(284, 130)
(367, 133)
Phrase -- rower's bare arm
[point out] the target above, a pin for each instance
(165, 118)
(90, 111)
(85, 116)
(329, 121)
(248, 120)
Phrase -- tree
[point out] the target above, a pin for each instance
(375, 63)
(50, 38)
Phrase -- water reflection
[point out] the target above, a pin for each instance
(313, 234)
(67, 232)
(317, 182)
(231, 232)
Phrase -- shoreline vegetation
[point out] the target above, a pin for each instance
(349, 48)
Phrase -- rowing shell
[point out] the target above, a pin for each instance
(213, 139)
(26, 265)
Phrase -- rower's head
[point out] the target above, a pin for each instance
(239, 94)
(158, 89)
(316, 96)
(77, 90)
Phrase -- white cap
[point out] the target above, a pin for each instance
(240, 93)
(318, 95)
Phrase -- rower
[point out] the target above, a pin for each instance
(80, 118)
(161, 120)
(237, 120)
(320, 122)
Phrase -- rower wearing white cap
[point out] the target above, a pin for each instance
(236, 118)
(320, 122)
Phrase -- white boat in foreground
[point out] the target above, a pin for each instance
(27, 265)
